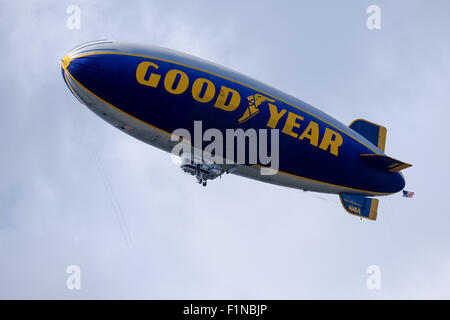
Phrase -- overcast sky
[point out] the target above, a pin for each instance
(236, 238)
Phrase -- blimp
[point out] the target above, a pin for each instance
(176, 101)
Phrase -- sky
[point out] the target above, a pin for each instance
(76, 191)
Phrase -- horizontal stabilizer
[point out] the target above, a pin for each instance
(384, 162)
(359, 205)
(371, 131)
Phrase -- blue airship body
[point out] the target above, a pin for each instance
(149, 92)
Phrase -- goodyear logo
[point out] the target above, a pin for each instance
(203, 90)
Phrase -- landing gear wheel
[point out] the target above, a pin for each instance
(204, 183)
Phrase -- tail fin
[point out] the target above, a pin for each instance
(371, 131)
(384, 162)
(377, 135)
(359, 205)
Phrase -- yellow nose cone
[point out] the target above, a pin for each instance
(65, 62)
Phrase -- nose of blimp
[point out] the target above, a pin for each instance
(65, 62)
(90, 70)
(70, 83)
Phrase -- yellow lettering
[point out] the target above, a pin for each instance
(235, 99)
(331, 139)
(197, 89)
(169, 80)
(312, 133)
(275, 116)
(141, 71)
(354, 209)
(291, 124)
